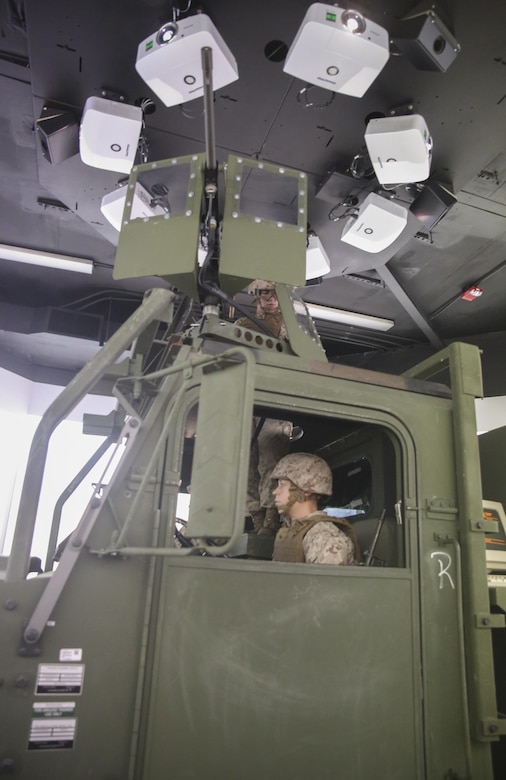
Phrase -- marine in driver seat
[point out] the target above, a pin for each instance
(307, 534)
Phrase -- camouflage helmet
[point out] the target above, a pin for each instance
(307, 472)
(260, 284)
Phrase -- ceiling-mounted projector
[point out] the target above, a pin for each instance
(337, 49)
(143, 205)
(378, 223)
(400, 148)
(170, 60)
(109, 134)
(317, 260)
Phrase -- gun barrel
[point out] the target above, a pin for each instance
(207, 68)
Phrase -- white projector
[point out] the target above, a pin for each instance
(317, 261)
(113, 205)
(378, 224)
(109, 134)
(170, 60)
(338, 50)
(400, 148)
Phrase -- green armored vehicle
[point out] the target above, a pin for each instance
(139, 658)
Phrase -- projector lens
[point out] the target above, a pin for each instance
(353, 21)
(166, 33)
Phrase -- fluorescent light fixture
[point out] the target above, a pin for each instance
(345, 317)
(45, 259)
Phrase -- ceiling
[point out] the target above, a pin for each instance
(60, 53)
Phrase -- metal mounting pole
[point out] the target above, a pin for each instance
(209, 272)
(207, 69)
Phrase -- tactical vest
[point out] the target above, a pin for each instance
(288, 544)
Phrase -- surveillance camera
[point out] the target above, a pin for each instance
(109, 134)
(378, 223)
(425, 41)
(170, 60)
(58, 134)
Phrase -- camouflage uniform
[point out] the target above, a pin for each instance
(267, 449)
(273, 319)
(273, 440)
(316, 538)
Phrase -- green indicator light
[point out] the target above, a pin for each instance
(149, 45)
(330, 17)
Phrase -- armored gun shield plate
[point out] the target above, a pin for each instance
(166, 243)
(265, 224)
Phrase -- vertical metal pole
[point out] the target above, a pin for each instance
(209, 271)
(71, 487)
(465, 373)
(207, 69)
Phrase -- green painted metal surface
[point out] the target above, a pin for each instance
(255, 246)
(205, 666)
(165, 244)
(217, 476)
(294, 674)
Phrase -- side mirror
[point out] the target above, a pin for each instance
(220, 464)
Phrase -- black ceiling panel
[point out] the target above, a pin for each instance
(61, 53)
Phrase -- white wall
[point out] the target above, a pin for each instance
(22, 404)
(490, 413)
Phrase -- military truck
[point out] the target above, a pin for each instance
(160, 646)
(136, 657)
